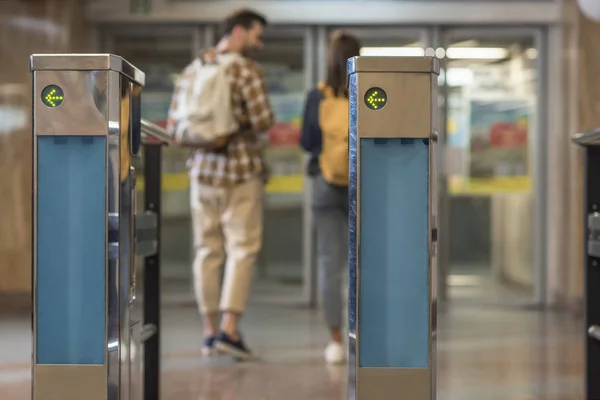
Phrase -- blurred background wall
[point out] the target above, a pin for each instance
(26, 27)
(582, 57)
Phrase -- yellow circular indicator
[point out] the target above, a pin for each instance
(52, 96)
(375, 98)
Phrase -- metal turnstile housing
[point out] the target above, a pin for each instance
(591, 226)
(393, 231)
(86, 322)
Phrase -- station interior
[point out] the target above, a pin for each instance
(511, 282)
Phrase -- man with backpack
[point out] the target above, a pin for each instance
(221, 110)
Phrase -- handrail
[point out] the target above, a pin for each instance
(589, 138)
(154, 134)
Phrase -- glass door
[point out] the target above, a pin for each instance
(162, 54)
(282, 268)
(489, 205)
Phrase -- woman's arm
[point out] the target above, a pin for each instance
(310, 138)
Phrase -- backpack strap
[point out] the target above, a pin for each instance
(227, 58)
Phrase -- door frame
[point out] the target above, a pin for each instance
(537, 149)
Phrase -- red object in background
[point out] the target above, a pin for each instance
(284, 134)
(162, 123)
(507, 135)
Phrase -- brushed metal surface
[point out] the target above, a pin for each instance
(126, 219)
(113, 186)
(377, 64)
(69, 382)
(86, 62)
(407, 113)
(97, 91)
(411, 111)
(391, 383)
(84, 109)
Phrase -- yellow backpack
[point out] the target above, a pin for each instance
(333, 120)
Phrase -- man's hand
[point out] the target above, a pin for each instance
(209, 56)
(210, 146)
(217, 144)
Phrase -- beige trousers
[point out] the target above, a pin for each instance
(226, 221)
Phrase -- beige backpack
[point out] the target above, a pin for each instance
(201, 110)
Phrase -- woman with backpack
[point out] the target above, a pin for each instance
(325, 137)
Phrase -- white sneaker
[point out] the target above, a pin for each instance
(209, 349)
(335, 353)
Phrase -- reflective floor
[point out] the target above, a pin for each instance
(491, 354)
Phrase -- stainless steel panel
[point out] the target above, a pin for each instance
(83, 112)
(125, 235)
(98, 101)
(594, 221)
(594, 332)
(593, 248)
(390, 383)
(411, 111)
(84, 109)
(113, 332)
(70, 382)
(589, 138)
(408, 109)
(86, 62)
(132, 220)
(391, 64)
(146, 221)
(114, 105)
(593, 242)
(146, 226)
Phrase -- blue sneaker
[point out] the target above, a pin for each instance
(209, 349)
(235, 348)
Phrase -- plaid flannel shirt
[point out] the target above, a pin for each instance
(241, 159)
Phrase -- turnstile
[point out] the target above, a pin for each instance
(87, 317)
(393, 231)
(591, 225)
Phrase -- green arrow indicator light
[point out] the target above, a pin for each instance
(375, 98)
(52, 96)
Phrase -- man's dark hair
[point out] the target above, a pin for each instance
(244, 18)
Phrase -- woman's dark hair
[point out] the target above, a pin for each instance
(244, 18)
(342, 46)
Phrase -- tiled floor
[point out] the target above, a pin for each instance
(483, 354)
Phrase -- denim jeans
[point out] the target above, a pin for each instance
(330, 209)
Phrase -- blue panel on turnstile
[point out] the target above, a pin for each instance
(393, 258)
(71, 250)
